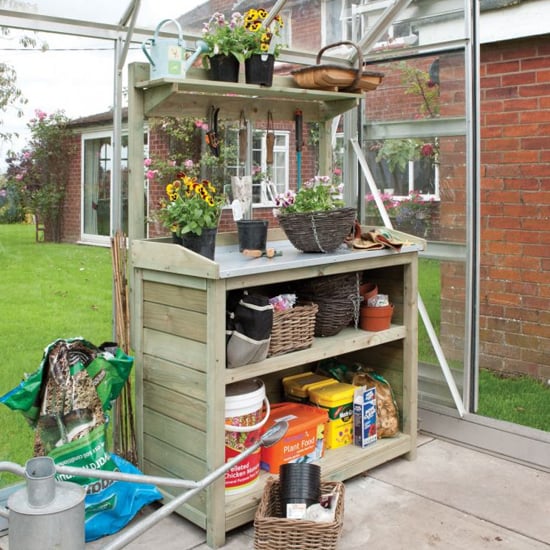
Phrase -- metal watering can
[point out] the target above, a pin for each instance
(167, 55)
(46, 513)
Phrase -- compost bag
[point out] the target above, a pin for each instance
(67, 402)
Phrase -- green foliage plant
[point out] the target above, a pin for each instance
(318, 194)
(192, 206)
(42, 169)
(225, 36)
(242, 36)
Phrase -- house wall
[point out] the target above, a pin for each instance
(514, 202)
(72, 208)
(515, 206)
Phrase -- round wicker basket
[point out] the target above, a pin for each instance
(318, 231)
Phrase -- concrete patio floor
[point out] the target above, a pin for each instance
(450, 497)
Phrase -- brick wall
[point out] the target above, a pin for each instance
(72, 208)
(515, 207)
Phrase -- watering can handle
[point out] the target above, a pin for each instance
(241, 429)
(162, 23)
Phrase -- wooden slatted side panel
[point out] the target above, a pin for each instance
(388, 360)
(174, 385)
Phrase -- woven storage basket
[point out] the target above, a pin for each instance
(338, 78)
(273, 532)
(318, 231)
(338, 299)
(293, 329)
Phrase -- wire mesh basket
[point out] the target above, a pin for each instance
(318, 231)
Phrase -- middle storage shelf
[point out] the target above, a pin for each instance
(349, 340)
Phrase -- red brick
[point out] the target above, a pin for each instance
(503, 67)
(522, 78)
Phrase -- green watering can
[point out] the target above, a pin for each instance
(167, 55)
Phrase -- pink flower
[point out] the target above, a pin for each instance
(337, 172)
(151, 174)
(40, 115)
(147, 162)
(189, 164)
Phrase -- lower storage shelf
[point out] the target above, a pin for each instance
(337, 465)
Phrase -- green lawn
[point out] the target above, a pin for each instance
(49, 291)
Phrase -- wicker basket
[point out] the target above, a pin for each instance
(338, 299)
(293, 329)
(318, 231)
(338, 78)
(273, 532)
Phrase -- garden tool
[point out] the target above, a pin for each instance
(269, 139)
(298, 119)
(212, 137)
(243, 138)
(241, 186)
(268, 253)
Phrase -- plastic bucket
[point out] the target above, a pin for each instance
(244, 418)
(252, 234)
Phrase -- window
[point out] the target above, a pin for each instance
(269, 179)
(403, 166)
(96, 185)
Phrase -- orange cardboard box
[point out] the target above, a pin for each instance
(304, 440)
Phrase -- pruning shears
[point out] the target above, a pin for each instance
(212, 137)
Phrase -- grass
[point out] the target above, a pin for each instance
(519, 399)
(429, 278)
(49, 291)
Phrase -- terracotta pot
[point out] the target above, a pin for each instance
(368, 290)
(375, 319)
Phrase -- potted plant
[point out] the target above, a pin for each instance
(192, 212)
(226, 40)
(262, 46)
(315, 218)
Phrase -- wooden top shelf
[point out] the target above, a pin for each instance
(194, 95)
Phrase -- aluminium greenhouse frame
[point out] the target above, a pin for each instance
(510, 440)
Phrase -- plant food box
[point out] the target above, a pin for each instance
(364, 416)
(304, 440)
(337, 399)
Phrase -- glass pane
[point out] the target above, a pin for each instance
(415, 148)
(97, 186)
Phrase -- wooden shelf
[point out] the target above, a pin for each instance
(194, 95)
(347, 341)
(337, 465)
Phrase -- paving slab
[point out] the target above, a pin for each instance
(451, 498)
